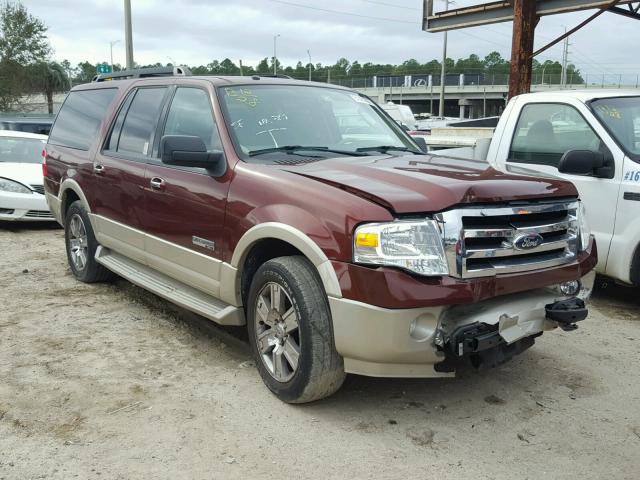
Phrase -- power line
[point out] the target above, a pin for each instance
(392, 5)
(327, 10)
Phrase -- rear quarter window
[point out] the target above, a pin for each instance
(80, 116)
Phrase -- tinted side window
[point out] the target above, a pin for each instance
(190, 114)
(80, 117)
(141, 121)
(546, 131)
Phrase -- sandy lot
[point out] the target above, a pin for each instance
(111, 382)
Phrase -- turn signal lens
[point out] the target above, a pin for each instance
(367, 240)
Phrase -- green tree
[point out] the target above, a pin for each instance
(23, 37)
(23, 42)
(85, 71)
(263, 67)
(49, 78)
(227, 67)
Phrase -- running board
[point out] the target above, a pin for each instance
(170, 289)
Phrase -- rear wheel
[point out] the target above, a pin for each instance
(81, 246)
(290, 331)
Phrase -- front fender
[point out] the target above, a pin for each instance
(298, 239)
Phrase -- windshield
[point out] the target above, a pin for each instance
(21, 150)
(621, 116)
(331, 122)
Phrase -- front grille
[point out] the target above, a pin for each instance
(39, 214)
(38, 188)
(491, 241)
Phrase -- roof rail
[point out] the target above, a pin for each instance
(144, 73)
(272, 76)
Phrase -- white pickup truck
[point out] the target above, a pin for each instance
(590, 137)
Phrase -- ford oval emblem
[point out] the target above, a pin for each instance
(528, 241)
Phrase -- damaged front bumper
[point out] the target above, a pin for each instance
(434, 341)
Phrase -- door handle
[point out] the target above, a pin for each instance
(98, 168)
(157, 183)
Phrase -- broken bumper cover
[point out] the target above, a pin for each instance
(421, 342)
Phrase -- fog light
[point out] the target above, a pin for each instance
(570, 288)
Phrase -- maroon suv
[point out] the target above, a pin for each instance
(305, 212)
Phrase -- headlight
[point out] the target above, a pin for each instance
(583, 226)
(415, 246)
(7, 185)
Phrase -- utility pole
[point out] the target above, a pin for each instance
(309, 53)
(127, 33)
(525, 20)
(565, 59)
(241, 72)
(275, 55)
(442, 67)
(111, 44)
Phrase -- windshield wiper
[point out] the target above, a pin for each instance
(295, 148)
(386, 148)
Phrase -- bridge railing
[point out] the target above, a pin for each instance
(473, 80)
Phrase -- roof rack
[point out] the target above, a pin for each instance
(144, 73)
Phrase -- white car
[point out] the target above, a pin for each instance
(21, 182)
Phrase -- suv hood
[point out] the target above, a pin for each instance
(426, 183)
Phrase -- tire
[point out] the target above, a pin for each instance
(273, 335)
(81, 245)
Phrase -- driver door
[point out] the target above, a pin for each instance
(544, 132)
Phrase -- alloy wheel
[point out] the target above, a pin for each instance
(277, 332)
(78, 246)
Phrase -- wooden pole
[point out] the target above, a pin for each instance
(524, 25)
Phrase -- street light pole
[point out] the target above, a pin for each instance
(111, 44)
(442, 67)
(309, 53)
(275, 56)
(128, 34)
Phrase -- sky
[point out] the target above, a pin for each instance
(195, 32)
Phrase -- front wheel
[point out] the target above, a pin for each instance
(290, 331)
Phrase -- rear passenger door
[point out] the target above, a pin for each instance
(185, 206)
(119, 170)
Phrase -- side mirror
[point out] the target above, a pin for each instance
(422, 143)
(190, 151)
(581, 162)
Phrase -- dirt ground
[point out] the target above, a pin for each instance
(110, 382)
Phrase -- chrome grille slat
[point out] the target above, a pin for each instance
(523, 267)
(480, 241)
(489, 253)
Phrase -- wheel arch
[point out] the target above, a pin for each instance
(270, 240)
(70, 191)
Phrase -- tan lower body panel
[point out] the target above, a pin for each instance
(192, 268)
(54, 206)
(381, 342)
(162, 262)
(119, 238)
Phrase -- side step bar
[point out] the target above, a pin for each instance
(170, 289)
